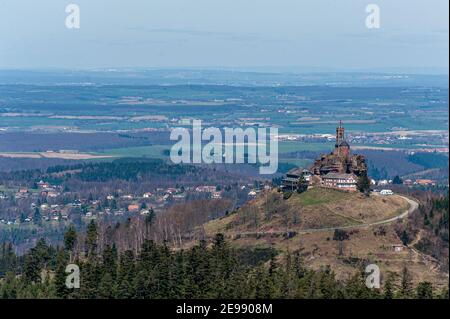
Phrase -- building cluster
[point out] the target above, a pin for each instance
(51, 202)
(338, 169)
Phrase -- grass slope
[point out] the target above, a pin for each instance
(263, 222)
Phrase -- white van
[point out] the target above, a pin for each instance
(386, 192)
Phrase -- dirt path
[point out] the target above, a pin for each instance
(413, 205)
(432, 263)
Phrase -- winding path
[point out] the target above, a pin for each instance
(413, 205)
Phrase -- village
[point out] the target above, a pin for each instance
(48, 202)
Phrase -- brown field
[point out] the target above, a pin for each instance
(70, 156)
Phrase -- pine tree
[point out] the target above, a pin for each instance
(286, 277)
(126, 275)
(298, 265)
(36, 261)
(109, 261)
(265, 282)
(221, 262)
(356, 288)
(406, 286)
(179, 275)
(424, 290)
(199, 272)
(91, 239)
(70, 237)
(60, 275)
(37, 218)
(149, 220)
(145, 268)
(363, 183)
(90, 278)
(397, 180)
(388, 291)
(444, 293)
(327, 284)
(405, 238)
(302, 185)
(32, 269)
(106, 287)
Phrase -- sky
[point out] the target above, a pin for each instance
(322, 34)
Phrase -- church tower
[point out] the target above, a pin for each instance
(339, 134)
(342, 148)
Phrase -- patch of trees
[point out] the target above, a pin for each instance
(126, 169)
(429, 160)
(213, 270)
(363, 184)
(16, 164)
(429, 225)
(397, 180)
(387, 164)
(272, 207)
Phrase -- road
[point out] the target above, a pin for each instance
(413, 205)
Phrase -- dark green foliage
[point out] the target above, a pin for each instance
(424, 291)
(363, 184)
(429, 160)
(406, 286)
(70, 237)
(389, 288)
(205, 271)
(129, 169)
(397, 180)
(125, 276)
(340, 235)
(149, 219)
(8, 259)
(60, 274)
(404, 238)
(37, 260)
(37, 218)
(91, 238)
(302, 185)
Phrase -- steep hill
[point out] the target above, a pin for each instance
(344, 230)
(317, 208)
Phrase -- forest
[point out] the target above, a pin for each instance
(207, 270)
(429, 225)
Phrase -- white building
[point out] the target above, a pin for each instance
(340, 181)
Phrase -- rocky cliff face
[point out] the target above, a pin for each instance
(332, 163)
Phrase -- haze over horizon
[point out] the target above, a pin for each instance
(267, 35)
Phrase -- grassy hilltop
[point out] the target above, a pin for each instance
(307, 223)
(317, 208)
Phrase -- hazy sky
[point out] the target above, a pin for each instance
(224, 33)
